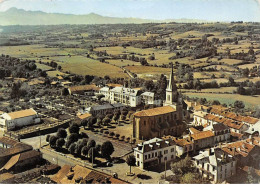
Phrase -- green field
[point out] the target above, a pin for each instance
(86, 66)
(250, 101)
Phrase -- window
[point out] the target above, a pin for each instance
(137, 155)
(172, 156)
(149, 156)
(144, 123)
(166, 151)
(145, 157)
(213, 168)
(156, 154)
(172, 149)
(152, 155)
(165, 158)
(208, 167)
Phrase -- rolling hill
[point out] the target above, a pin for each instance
(15, 16)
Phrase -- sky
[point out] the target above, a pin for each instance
(211, 10)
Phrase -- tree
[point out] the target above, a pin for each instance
(62, 133)
(74, 128)
(182, 166)
(239, 105)
(130, 160)
(116, 117)
(74, 137)
(84, 151)
(60, 143)
(106, 121)
(251, 178)
(79, 147)
(91, 121)
(91, 143)
(65, 92)
(48, 138)
(72, 148)
(231, 81)
(190, 178)
(107, 149)
(53, 140)
(92, 153)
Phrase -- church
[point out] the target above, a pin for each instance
(162, 121)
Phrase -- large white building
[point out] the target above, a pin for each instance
(215, 164)
(9, 121)
(153, 152)
(127, 96)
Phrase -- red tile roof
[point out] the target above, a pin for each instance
(155, 111)
(22, 113)
(202, 135)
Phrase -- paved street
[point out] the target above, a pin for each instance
(35, 141)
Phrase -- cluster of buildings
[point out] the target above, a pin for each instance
(16, 156)
(220, 142)
(82, 175)
(240, 126)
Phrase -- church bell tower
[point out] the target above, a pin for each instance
(171, 91)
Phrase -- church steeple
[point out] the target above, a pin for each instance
(172, 85)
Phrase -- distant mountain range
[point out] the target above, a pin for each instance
(15, 16)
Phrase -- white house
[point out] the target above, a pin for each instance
(221, 132)
(127, 96)
(215, 164)
(9, 121)
(149, 99)
(105, 91)
(154, 152)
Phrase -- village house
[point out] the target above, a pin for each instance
(221, 132)
(9, 121)
(203, 139)
(154, 152)
(246, 152)
(215, 164)
(89, 90)
(184, 144)
(235, 126)
(104, 109)
(128, 96)
(148, 98)
(23, 160)
(10, 147)
(82, 175)
(105, 91)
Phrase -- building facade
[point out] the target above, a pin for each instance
(154, 152)
(215, 165)
(9, 121)
(161, 121)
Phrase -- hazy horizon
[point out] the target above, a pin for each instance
(211, 10)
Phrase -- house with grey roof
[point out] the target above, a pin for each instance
(128, 96)
(154, 152)
(215, 164)
(103, 109)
